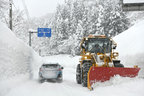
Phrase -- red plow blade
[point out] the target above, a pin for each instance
(101, 74)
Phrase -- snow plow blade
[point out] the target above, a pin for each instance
(101, 74)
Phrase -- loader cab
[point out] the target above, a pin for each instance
(97, 45)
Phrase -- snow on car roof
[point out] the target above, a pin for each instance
(50, 63)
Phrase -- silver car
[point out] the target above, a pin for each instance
(50, 72)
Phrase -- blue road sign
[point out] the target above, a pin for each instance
(44, 32)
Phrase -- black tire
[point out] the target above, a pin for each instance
(84, 80)
(85, 69)
(41, 80)
(59, 79)
(118, 65)
(78, 74)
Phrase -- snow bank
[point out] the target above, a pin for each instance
(120, 86)
(131, 46)
(15, 57)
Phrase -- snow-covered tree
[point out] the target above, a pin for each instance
(4, 5)
(78, 18)
(114, 20)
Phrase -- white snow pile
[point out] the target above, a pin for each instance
(130, 45)
(16, 58)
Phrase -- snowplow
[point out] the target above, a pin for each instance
(99, 62)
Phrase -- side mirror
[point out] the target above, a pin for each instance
(83, 46)
(62, 67)
(114, 46)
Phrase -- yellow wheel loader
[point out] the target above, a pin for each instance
(99, 62)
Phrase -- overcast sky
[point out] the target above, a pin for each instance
(38, 8)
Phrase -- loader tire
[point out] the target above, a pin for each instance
(85, 69)
(117, 63)
(84, 80)
(78, 74)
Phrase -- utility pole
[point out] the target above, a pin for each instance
(10, 14)
(29, 38)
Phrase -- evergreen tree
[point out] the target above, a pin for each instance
(79, 18)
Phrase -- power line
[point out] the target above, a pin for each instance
(26, 10)
(10, 14)
(27, 13)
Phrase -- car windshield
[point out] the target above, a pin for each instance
(50, 65)
(98, 45)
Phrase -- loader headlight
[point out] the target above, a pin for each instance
(87, 53)
(85, 57)
(115, 54)
(101, 57)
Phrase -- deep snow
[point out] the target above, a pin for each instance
(14, 54)
(16, 58)
(130, 45)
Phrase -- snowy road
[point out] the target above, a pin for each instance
(67, 88)
(117, 86)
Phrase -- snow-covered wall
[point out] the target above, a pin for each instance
(131, 46)
(15, 57)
